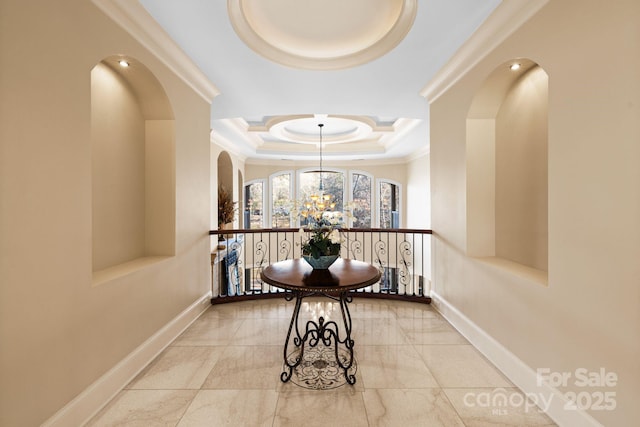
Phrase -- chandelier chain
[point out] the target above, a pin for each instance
(320, 125)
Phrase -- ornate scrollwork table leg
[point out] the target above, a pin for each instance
(348, 342)
(297, 340)
(326, 333)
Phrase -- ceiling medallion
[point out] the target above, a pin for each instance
(302, 129)
(326, 35)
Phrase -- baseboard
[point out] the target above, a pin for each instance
(522, 375)
(97, 395)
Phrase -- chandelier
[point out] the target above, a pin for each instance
(320, 201)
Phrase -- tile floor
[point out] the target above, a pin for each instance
(413, 369)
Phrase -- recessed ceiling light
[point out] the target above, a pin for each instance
(515, 67)
(123, 63)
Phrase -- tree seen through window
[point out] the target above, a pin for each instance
(333, 184)
(389, 205)
(361, 198)
(253, 205)
(281, 197)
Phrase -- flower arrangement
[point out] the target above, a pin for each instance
(324, 230)
(226, 206)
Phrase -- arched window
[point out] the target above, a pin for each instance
(225, 187)
(388, 204)
(272, 202)
(281, 199)
(332, 183)
(361, 199)
(254, 204)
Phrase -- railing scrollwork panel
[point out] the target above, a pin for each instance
(402, 255)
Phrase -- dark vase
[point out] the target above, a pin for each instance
(322, 263)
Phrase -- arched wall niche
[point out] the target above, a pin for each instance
(507, 172)
(225, 173)
(133, 165)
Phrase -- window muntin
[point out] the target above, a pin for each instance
(254, 204)
(361, 199)
(281, 185)
(333, 184)
(389, 204)
(274, 204)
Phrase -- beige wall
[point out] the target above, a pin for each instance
(160, 188)
(59, 333)
(118, 178)
(587, 317)
(133, 165)
(521, 172)
(418, 196)
(418, 193)
(394, 171)
(481, 187)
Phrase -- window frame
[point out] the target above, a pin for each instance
(301, 171)
(379, 182)
(292, 185)
(244, 197)
(373, 194)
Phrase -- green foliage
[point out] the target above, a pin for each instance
(319, 245)
(325, 236)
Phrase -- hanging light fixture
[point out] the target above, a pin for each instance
(320, 201)
(320, 126)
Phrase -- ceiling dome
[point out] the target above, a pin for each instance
(303, 129)
(322, 35)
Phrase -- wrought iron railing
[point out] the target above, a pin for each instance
(402, 255)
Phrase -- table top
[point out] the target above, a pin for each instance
(343, 275)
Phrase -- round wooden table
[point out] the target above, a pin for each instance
(301, 281)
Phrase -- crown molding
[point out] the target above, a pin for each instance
(226, 145)
(504, 21)
(424, 151)
(400, 128)
(135, 19)
(347, 164)
(244, 131)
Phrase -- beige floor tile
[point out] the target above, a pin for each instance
(261, 332)
(378, 332)
(329, 378)
(461, 366)
(364, 308)
(255, 408)
(144, 408)
(430, 330)
(296, 385)
(414, 310)
(484, 407)
(267, 309)
(393, 367)
(209, 331)
(339, 407)
(405, 354)
(314, 308)
(246, 367)
(404, 408)
(178, 368)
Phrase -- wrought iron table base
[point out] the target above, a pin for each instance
(321, 332)
(319, 368)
